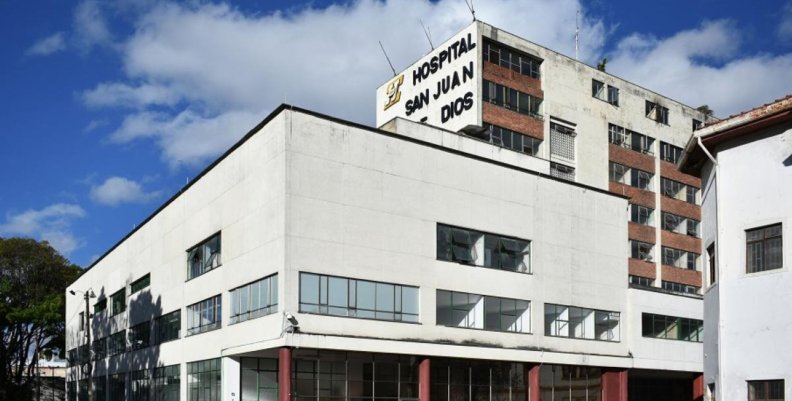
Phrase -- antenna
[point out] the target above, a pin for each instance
(577, 34)
(427, 33)
(470, 7)
(387, 58)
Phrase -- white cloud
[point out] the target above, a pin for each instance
(46, 46)
(232, 68)
(701, 66)
(52, 224)
(90, 25)
(117, 190)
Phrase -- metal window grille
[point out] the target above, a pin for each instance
(562, 141)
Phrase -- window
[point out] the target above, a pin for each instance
(204, 316)
(256, 299)
(584, 323)
(167, 327)
(81, 321)
(697, 124)
(713, 277)
(679, 258)
(204, 380)
(670, 153)
(99, 385)
(118, 302)
(482, 249)
(640, 179)
(630, 139)
(139, 336)
(641, 214)
(139, 385)
(562, 171)
(672, 328)
(640, 281)
(512, 140)
(512, 99)
(100, 306)
(618, 172)
(459, 309)
(71, 391)
(512, 59)
(99, 347)
(680, 288)
(678, 190)
(82, 390)
(766, 390)
(562, 141)
(641, 250)
(140, 284)
(166, 383)
(692, 228)
(116, 343)
(259, 381)
(672, 222)
(656, 112)
(598, 91)
(117, 386)
(763, 248)
(339, 296)
(203, 257)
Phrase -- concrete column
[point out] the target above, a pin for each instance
(698, 387)
(424, 379)
(532, 392)
(614, 384)
(284, 374)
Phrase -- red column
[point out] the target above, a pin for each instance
(532, 382)
(284, 374)
(698, 387)
(614, 384)
(424, 379)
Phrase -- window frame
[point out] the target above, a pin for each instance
(117, 296)
(448, 253)
(235, 315)
(764, 243)
(140, 284)
(200, 250)
(214, 306)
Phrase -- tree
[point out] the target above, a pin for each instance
(33, 281)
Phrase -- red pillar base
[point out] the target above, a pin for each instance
(424, 379)
(698, 387)
(284, 374)
(532, 381)
(614, 384)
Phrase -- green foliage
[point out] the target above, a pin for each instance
(33, 281)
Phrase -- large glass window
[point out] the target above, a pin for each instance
(204, 380)
(166, 383)
(99, 347)
(259, 381)
(100, 306)
(256, 299)
(116, 343)
(611, 95)
(575, 322)
(459, 380)
(672, 328)
(641, 214)
(167, 327)
(117, 386)
(139, 385)
(99, 386)
(569, 382)
(340, 296)
(678, 190)
(680, 258)
(512, 59)
(118, 302)
(512, 140)
(641, 250)
(139, 336)
(203, 257)
(82, 392)
(764, 248)
(669, 152)
(140, 284)
(459, 309)
(766, 390)
(512, 99)
(478, 248)
(656, 112)
(680, 288)
(205, 315)
(636, 141)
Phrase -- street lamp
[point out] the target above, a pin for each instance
(87, 295)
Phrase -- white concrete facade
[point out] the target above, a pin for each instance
(746, 325)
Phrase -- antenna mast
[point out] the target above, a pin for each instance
(387, 58)
(470, 7)
(427, 33)
(577, 34)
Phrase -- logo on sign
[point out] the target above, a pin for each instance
(393, 91)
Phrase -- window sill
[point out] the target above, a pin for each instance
(605, 101)
(530, 272)
(584, 339)
(204, 273)
(252, 316)
(202, 330)
(360, 318)
(488, 330)
(673, 339)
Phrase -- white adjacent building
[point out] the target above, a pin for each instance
(517, 248)
(745, 163)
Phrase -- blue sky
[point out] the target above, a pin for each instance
(108, 108)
